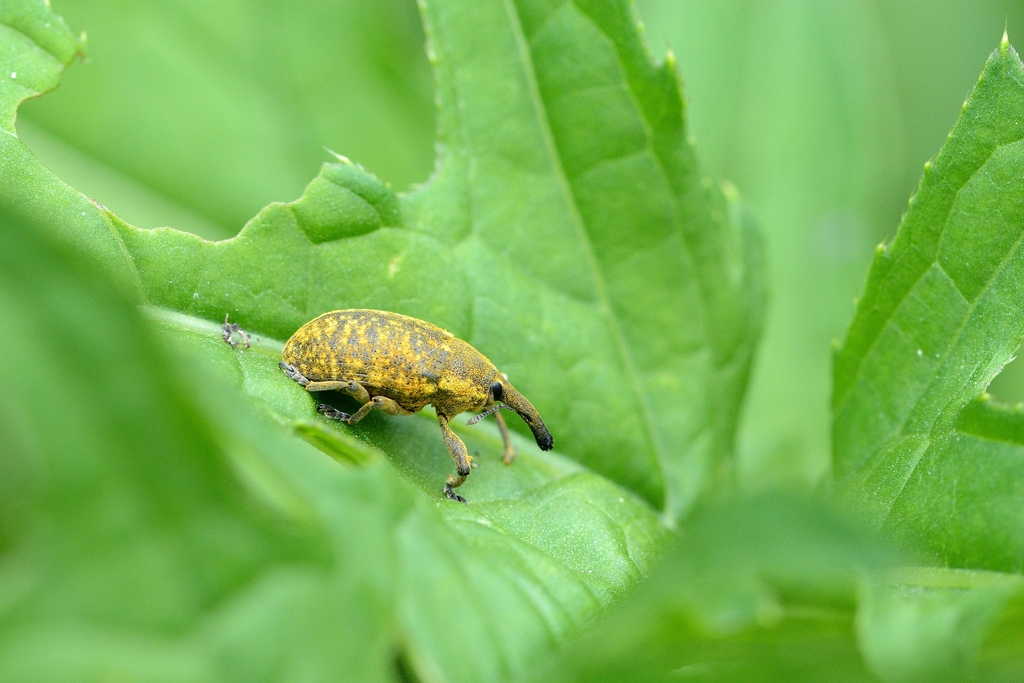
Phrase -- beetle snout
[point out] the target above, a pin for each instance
(540, 433)
(517, 402)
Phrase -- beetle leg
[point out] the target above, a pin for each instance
(330, 385)
(382, 403)
(390, 407)
(358, 392)
(353, 389)
(293, 374)
(510, 452)
(459, 455)
(449, 489)
(359, 414)
(333, 413)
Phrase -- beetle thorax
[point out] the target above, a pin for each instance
(465, 383)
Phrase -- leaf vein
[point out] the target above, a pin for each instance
(601, 294)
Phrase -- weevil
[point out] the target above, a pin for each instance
(399, 365)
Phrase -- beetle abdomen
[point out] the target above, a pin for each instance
(388, 353)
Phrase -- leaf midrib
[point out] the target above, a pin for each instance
(932, 436)
(597, 274)
(838, 408)
(971, 307)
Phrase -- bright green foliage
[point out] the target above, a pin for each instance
(159, 519)
(121, 519)
(153, 527)
(758, 591)
(939, 318)
(775, 589)
(797, 103)
(197, 114)
(567, 234)
(476, 593)
(943, 625)
(37, 45)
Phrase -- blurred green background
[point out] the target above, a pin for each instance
(822, 112)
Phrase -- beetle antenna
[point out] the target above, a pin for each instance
(490, 411)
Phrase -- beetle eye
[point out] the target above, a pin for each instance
(496, 391)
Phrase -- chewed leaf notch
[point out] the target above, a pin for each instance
(345, 201)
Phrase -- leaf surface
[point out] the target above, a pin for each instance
(37, 47)
(783, 589)
(929, 624)
(567, 233)
(798, 103)
(759, 590)
(546, 547)
(939, 318)
(196, 115)
(154, 527)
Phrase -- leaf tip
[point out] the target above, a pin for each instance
(1004, 44)
(670, 60)
(340, 157)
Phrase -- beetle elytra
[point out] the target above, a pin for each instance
(398, 365)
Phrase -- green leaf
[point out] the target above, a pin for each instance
(37, 45)
(566, 211)
(760, 590)
(546, 546)
(122, 523)
(925, 624)
(567, 233)
(604, 534)
(782, 589)
(197, 116)
(939, 318)
(800, 104)
(153, 527)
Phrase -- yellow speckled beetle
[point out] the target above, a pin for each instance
(399, 364)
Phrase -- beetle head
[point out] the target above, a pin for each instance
(501, 390)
